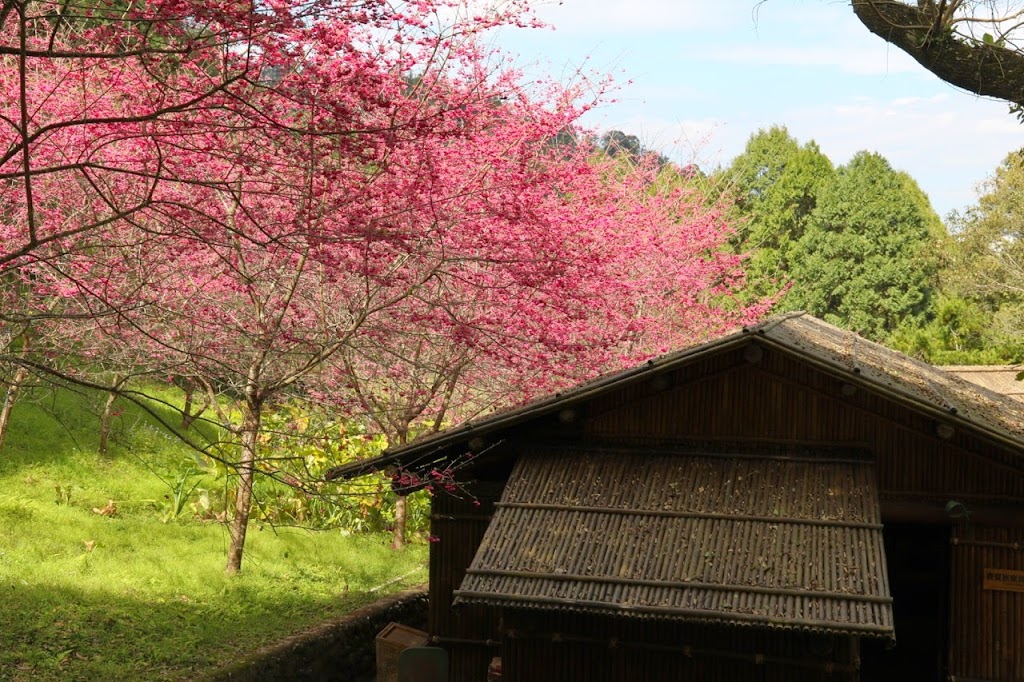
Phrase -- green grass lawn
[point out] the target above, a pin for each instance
(138, 594)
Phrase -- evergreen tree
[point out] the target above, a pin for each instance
(776, 183)
(961, 333)
(616, 143)
(869, 257)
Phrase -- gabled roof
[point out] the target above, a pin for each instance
(792, 540)
(918, 385)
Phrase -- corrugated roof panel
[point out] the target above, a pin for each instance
(792, 542)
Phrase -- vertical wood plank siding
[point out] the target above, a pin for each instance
(558, 647)
(458, 525)
(782, 401)
(986, 626)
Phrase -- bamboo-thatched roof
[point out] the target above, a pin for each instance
(786, 541)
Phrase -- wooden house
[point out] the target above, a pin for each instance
(788, 502)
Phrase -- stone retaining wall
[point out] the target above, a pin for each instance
(343, 650)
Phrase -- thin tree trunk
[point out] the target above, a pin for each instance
(187, 415)
(108, 412)
(186, 411)
(243, 497)
(401, 504)
(12, 397)
(14, 388)
(398, 538)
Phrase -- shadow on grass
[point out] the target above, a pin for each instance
(57, 425)
(67, 634)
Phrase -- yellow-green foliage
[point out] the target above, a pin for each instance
(306, 443)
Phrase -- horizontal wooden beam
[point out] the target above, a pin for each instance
(935, 513)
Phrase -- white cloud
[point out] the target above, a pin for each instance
(856, 59)
(614, 16)
(789, 33)
(948, 142)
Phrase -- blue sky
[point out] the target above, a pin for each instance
(706, 75)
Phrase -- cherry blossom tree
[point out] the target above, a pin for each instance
(298, 199)
(108, 104)
(172, 149)
(96, 94)
(600, 265)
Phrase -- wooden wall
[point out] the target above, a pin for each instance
(782, 401)
(986, 625)
(587, 648)
(457, 525)
(779, 400)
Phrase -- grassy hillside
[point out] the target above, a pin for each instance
(101, 579)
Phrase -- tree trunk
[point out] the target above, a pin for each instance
(401, 504)
(14, 388)
(108, 411)
(12, 396)
(187, 415)
(239, 524)
(991, 70)
(398, 539)
(186, 411)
